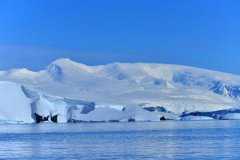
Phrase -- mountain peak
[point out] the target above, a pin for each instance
(63, 61)
(70, 65)
(55, 71)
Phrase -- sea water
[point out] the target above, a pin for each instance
(122, 141)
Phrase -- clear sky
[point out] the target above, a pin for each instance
(202, 33)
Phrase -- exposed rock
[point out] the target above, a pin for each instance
(163, 118)
(54, 118)
(131, 120)
(40, 119)
(114, 121)
(220, 114)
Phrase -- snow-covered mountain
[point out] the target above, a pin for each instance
(127, 86)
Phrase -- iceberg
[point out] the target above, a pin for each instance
(14, 105)
(31, 106)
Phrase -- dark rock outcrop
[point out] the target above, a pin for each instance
(214, 114)
(39, 118)
(163, 118)
(54, 119)
(113, 121)
(226, 89)
(131, 120)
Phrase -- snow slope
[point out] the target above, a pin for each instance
(20, 104)
(176, 88)
(15, 106)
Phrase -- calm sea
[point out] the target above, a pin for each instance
(122, 141)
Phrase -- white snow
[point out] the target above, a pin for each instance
(231, 116)
(196, 118)
(65, 87)
(99, 114)
(14, 106)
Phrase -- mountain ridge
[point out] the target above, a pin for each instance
(64, 61)
(175, 86)
(122, 90)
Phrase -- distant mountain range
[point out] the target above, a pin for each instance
(177, 88)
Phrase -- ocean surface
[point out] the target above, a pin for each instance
(122, 141)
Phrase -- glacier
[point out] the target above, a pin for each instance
(14, 104)
(23, 105)
(67, 91)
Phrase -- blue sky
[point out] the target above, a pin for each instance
(203, 33)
